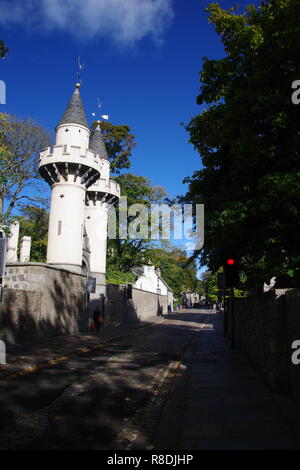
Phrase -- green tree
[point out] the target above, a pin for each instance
(3, 49)
(249, 138)
(21, 141)
(176, 268)
(210, 285)
(34, 223)
(119, 142)
(124, 254)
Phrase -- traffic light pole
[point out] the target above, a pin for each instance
(232, 318)
(225, 315)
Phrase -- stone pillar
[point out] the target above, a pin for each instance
(12, 243)
(25, 249)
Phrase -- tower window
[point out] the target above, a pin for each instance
(59, 228)
(64, 149)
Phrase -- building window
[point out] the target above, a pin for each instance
(64, 149)
(59, 228)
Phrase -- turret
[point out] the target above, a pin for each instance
(98, 198)
(70, 168)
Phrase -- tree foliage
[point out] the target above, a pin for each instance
(249, 139)
(119, 142)
(124, 254)
(176, 269)
(34, 223)
(210, 286)
(117, 277)
(20, 144)
(3, 49)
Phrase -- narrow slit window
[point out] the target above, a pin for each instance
(65, 149)
(59, 228)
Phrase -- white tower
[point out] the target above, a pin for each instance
(69, 168)
(98, 198)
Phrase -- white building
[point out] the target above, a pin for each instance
(190, 298)
(149, 279)
(77, 169)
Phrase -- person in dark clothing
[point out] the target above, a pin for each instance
(98, 319)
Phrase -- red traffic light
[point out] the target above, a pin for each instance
(231, 272)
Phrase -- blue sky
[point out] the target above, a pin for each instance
(147, 80)
(142, 59)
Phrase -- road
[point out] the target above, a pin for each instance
(109, 398)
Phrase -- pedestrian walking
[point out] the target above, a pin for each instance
(98, 318)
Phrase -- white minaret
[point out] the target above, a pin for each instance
(69, 168)
(98, 198)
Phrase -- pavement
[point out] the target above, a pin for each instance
(218, 401)
(28, 357)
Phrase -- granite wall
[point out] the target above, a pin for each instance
(41, 301)
(141, 307)
(264, 327)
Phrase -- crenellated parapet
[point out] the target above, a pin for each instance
(103, 191)
(70, 163)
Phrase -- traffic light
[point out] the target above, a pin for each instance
(231, 272)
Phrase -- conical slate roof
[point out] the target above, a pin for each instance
(74, 112)
(96, 142)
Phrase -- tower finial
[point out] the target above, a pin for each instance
(80, 68)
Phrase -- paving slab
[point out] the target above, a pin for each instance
(221, 403)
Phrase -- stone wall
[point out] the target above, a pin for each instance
(141, 307)
(264, 328)
(293, 332)
(41, 301)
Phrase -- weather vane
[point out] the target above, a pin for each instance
(103, 116)
(80, 68)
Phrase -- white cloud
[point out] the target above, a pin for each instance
(124, 21)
